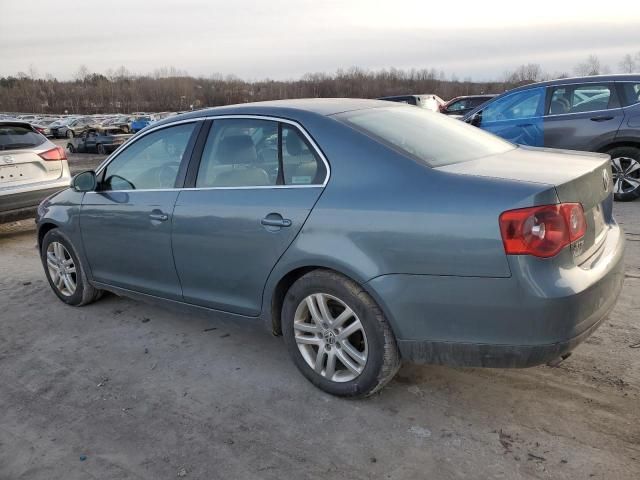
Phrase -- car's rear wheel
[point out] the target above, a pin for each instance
(69, 133)
(625, 163)
(101, 149)
(64, 271)
(337, 335)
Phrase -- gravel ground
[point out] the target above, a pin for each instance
(125, 390)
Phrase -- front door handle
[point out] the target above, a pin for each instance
(601, 119)
(275, 220)
(161, 217)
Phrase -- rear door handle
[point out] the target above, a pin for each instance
(522, 125)
(275, 220)
(161, 217)
(601, 119)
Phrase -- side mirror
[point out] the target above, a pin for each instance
(85, 182)
(475, 119)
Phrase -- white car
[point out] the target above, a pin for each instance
(31, 169)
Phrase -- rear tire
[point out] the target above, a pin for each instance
(101, 149)
(352, 358)
(58, 252)
(625, 164)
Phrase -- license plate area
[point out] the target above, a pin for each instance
(11, 173)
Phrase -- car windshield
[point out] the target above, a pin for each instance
(429, 137)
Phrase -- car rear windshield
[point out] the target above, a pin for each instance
(16, 137)
(426, 136)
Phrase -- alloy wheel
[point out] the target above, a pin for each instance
(62, 268)
(330, 337)
(626, 174)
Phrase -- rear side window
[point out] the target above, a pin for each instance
(581, 98)
(17, 137)
(630, 93)
(428, 137)
(301, 163)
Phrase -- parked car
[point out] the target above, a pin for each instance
(428, 101)
(43, 126)
(365, 233)
(139, 123)
(459, 106)
(97, 141)
(595, 114)
(122, 122)
(31, 168)
(72, 127)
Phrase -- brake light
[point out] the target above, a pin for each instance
(56, 153)
(542, 231)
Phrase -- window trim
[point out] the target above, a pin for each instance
(618, 86)
(196, 154)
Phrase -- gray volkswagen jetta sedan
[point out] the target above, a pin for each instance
(363, 232)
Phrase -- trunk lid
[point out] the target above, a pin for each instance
(579, 177)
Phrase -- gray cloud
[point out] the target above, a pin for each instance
(284, 39)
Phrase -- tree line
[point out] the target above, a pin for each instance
(170, 89)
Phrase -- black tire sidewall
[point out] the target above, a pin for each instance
(56, 236)
(630, 152)
(345, 290)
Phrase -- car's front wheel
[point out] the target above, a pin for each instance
(69, 133)
(625, 163)
(101, 149)
(65, 273)
(71, 148)
(337, 335)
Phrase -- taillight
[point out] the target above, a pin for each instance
(56, 153)
(542, 231)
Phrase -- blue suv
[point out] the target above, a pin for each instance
(595, 114)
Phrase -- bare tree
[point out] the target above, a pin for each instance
(591, 66)
(82, 73)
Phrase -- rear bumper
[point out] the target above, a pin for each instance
(23, 201)
(525, 320)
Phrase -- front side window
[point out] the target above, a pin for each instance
(580, 98)
(150, 163)
(247, 152)
(458, 105)
(428, 137)
(524, 104)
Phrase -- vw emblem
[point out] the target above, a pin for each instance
(7, 159)
(329, 337)
(605, 179)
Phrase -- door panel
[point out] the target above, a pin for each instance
(226, 241)
(127, 240)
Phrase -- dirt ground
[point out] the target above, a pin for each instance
(121, 389)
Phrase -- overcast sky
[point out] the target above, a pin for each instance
(284, 39)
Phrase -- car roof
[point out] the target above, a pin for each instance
(620, 77)
(16, 123)
(286, 108)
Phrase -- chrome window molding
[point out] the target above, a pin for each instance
(295, 124)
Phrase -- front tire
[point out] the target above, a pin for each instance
(101, 149)
(69, 133)
(65, 272)
(71, 148)
(625, 164)
(337, 335)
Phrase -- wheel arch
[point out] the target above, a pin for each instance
(278, 292)
(619, 143)
(43, 229)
